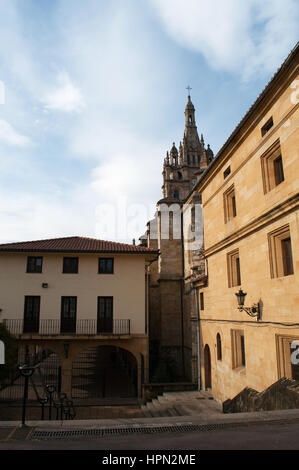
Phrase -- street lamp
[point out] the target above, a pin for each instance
(26, 371)
(253, 311)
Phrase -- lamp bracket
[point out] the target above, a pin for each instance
(253, 311)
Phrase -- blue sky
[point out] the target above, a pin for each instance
(95, 93)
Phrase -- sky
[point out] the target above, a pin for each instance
(93, 92)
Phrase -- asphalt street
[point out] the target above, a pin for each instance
(253, 437)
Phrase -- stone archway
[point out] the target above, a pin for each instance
(104, 372)
(208, 367)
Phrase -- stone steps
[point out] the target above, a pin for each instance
(191, 403)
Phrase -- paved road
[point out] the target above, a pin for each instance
(269, 437)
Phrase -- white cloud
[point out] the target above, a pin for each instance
(65, 97)
(247, 37)
(9, 136)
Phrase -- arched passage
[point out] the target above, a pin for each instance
(104, 372)
(207, 365)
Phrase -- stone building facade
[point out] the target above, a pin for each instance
(169, 305)
(250, 201)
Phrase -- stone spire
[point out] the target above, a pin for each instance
(174, 155)
(192, 148)
(181, 167)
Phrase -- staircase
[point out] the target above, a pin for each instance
(281, 395)
(192, 403)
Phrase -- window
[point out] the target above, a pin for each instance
(233, 268)
(193, 219)
(176, 194)
(219, 347)
(180, 176)
(288, 356)
(266, 127)
(105, 315)
(31, 314)
(229, 200)
(201, 300)
(226, 172)
(68, 314)
(294, 353)
(106, 265)
(70, 265)
(34, 264)
(272, 167)
(280, 250)
(278, 170)
(238, 349)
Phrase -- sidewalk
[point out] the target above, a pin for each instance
(265, 417)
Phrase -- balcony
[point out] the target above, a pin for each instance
(55, 327)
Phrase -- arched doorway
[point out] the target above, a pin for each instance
(208, 369)
(105, 372)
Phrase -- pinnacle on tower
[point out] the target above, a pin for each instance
(181, 167)
(174, 155)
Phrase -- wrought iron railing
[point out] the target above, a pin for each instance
(55, 327)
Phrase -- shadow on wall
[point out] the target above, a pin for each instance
(281, 395)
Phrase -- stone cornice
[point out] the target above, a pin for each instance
(283, 77)
(264, 140)
(257, 224)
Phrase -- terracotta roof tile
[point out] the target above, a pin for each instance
(75, 245)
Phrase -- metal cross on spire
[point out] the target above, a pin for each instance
(188, 88)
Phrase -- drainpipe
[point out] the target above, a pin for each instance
(182, 294)
(147, 266)
(147, 324)
(195, 290)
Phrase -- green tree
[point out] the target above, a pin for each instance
(10, 353)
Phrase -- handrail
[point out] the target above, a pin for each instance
(81, 326)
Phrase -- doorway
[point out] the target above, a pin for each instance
(208, 368)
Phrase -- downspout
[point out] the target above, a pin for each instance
(195, 289)
(147, 324)
(182, 295)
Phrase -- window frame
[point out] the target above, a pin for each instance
(229, 203)
(269, 174)
(201, 301)
(70, 258)
(234, 269)
(238, 349)
(68, 316)
(276, 257)
(105, 259)
(31, 316)
(219, 347)
(105, 317)
(35, 265)
(226, 172)
(267, 126)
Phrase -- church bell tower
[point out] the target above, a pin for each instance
(182, 167)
